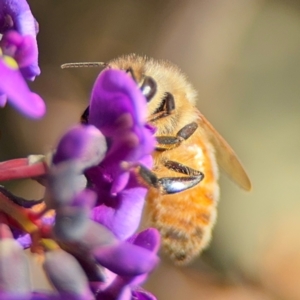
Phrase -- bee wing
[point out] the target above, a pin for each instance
(226, 157)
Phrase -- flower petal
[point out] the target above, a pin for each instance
(141, 294)
(28, 103)
(66, 274)
(21, 48)
(126, 259)
(72, 225)
(115, 95)
(121, 214)
(83, 143)
(23, 22)
(3, 100)
(118, 110)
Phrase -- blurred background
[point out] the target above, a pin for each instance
(243, 57)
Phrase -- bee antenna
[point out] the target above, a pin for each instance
(84, 65)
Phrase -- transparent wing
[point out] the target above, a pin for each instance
(226, 157)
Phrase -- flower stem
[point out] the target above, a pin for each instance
(17, 213)
(27, 171)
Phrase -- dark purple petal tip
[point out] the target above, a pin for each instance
(148, 239)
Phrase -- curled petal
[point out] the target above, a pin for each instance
(70, 223)
(121, 214)
(73, 225)
(83, 143)
(92, 269)
(65, 181)
(27, 102)
(116, 103)
(126, 259)
(66, 275)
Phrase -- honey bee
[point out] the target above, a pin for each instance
(183, 184)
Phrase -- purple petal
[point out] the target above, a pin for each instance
(115, 96)
(3, 100)
(85, 198)
(117, 289)
(141, 294)
(23, 22)
(23, 239)
(83, 143)
(126, 259)
(28, 103)
(21, 48)
(118, 109)
(119, 183)
(122, 213)
(21, 15)
(64, 182)
(72, 225)
(44, 296)
(66, 274)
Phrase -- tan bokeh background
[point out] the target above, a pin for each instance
(243, 57)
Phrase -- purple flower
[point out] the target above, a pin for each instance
(118, 109)
(16, 15)
(91, 249)
(19, 57)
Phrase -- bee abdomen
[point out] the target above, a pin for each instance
(185, 226)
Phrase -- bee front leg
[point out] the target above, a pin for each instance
(171, 185)
(170, 142)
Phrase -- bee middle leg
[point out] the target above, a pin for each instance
(172, 185)
(170, 142)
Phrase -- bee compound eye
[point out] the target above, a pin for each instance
(148, 88)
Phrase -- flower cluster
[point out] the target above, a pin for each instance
(85, 225)
(19, 57)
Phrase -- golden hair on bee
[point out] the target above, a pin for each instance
(183, 183)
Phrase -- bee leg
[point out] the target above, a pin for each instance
(170, 142)
(169, 103)
(171, 185)
(183, 169)
(165, 109)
